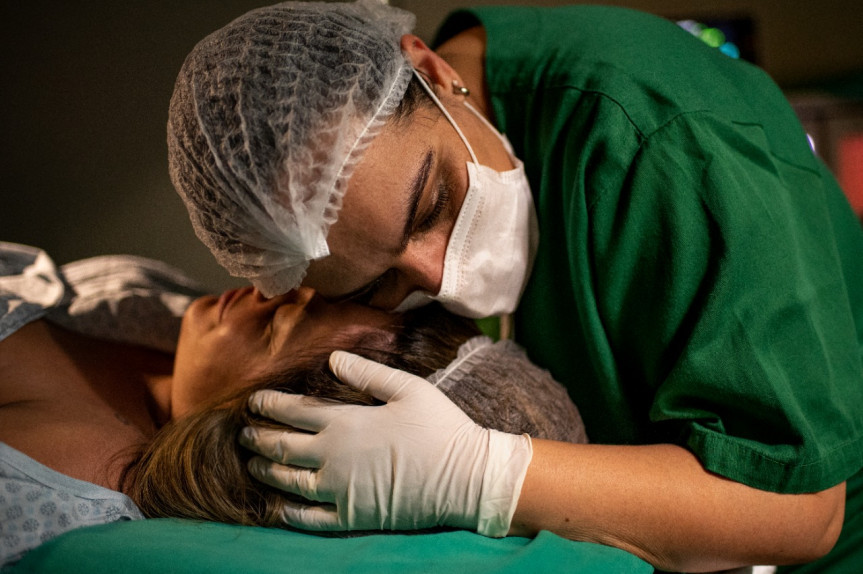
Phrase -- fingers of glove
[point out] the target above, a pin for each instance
(311, 517)
(300, 481)
(283, 446)
(299, 411)
(382, 382)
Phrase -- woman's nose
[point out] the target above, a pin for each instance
(303, 295)
(419, 270)
(299, 296)
(426, 278)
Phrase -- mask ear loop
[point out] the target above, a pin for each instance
(438, 103)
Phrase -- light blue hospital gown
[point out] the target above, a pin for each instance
(121, 298)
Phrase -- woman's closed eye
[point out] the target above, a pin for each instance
(271, 332)
(442, 197)
(365, 296)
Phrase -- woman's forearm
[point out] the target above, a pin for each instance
(660, 504)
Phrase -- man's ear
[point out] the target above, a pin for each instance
(434, 68)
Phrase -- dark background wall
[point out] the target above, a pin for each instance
(798, 41)
(85, 89)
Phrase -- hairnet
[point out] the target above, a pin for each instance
(268, 119)
(499, 387)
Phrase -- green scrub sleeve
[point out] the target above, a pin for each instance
(720, 293)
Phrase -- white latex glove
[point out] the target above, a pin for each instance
(416, 462)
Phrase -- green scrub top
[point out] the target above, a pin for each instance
(699, 279)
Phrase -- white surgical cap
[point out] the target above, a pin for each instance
(269, 117)
(499, 387)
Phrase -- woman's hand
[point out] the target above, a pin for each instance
(415, 462)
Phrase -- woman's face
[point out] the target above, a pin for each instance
(231, 341)
(401, 205)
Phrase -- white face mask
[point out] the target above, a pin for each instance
(494, 240)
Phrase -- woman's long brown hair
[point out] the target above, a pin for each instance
(195, 468)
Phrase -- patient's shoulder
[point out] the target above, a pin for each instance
(51, 408)
(24, 363)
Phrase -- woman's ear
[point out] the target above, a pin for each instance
(429, 64)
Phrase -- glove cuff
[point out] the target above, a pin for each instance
(509, 456)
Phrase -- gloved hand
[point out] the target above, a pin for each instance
(416, 462)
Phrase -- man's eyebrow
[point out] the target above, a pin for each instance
(417, 186)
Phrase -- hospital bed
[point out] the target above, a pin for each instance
(188, 547)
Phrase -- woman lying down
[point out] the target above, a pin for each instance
(123, 389)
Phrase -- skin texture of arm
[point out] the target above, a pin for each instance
(660, 504)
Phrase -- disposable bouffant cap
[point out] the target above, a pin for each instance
(499, 387)
(270, 116)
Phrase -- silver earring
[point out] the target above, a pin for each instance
(459, 90)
